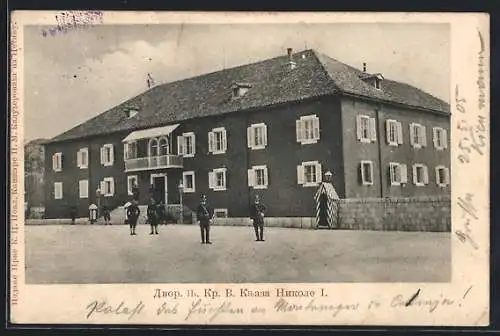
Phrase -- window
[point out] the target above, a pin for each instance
(258, 177)
(217, 179)
(188, 181)
(418, 136)
(257, 136)
(153, 147)
(442, 176)
(131, 181)
(366, 170)
(307, 129)
(164, 148)
(83, 186)
(131, 113)
(107, 155)
(366, 129)
(108, 186)
(440, 138)
(420, 175)
(309, 173)
(217, 141)
(377, 83)
(398, 173)
(220, 213)
(58, 190)
(394, 132)
(130, 150)
(57, 162)
(186, 144)
(82, 158)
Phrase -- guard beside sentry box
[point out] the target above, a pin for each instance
(92, 213)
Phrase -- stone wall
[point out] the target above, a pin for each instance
(431, 214)
(396, 214)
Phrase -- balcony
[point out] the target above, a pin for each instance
(153, 162)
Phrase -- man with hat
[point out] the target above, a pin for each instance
(257, 211)
(205, 215)
(133, 213)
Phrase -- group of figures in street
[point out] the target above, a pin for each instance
(205, 215)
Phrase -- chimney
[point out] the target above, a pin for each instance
(291, 63)
(364, 67)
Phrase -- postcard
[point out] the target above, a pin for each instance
(247, 168)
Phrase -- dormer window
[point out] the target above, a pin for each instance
(131, 112)
(240, 89)
(374, 80)
(377, 83)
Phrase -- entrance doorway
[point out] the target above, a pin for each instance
(159, 188)
(323, 211)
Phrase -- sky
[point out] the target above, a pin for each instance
(72, 77)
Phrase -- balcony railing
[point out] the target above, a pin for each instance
(154, 162)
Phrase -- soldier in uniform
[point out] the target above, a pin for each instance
(153, 218)
(205, 215)
(133, 213)
(257, 211)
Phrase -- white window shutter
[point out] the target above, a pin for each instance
(426, 175)
(404, 173)
(266, 177)
(251, 177)
(54, 162)
(447, 176)
(359, 131)
(388, 131)
(102, 187)
(264, 135)
(300, 174)
(211, 179)
(298, 130)
(180, 145)
(125, 151)
(424, 136)
(373, 129)
(319, 173)
(103, 159)
(79, 158)
(400, 133)
(112, 186)
(211, 141)
(412, 135)
(444, 141)
(437, 176)
(316, 128)
(414, 174)
(224, 140)
(435, 135)
(112, 154)
(193, 143)
(250, 136)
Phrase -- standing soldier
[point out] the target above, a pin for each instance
(153, 217)
(257, 211)
(205, 215)
(133, 213)
(107, 215)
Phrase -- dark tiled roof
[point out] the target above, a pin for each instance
(272, 82)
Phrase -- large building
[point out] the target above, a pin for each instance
(273, 128)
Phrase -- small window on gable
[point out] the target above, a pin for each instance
(240, 89)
